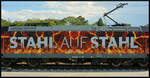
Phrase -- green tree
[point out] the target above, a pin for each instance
(127, 24)
(34, 20)
(59, 22)
(100, 22)
(5, 22)
(51, 22)
(75, 21)
(17, 23)
(81, 21)
(69, 20)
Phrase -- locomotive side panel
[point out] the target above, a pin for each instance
(61, 44)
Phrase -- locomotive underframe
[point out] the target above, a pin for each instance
(94, 59)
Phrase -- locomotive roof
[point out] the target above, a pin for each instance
(77, 28)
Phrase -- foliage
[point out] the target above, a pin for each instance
(5, 22)
(147, 25)
(75, 21)
(70, 20)
(127, 24)
(100, 22)
(17, 23)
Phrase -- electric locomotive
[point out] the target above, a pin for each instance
(117, 45)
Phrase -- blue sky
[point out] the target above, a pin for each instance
(135, 13)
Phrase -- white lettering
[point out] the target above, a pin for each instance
(22, 41)
(42, 42)
(82, 41)
(112, 43)
(31, 42)
(132, 43)
(65, 40)
(14, 43)
(123, 42)
(103, 40)
(94, 42)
